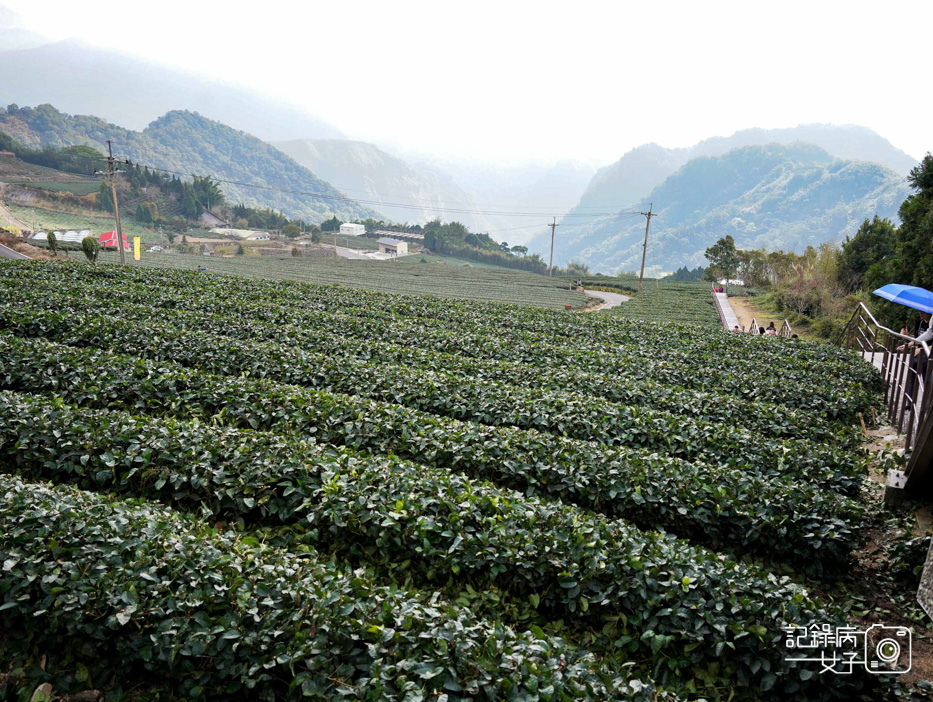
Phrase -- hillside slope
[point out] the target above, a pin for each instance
(778, 197)
(633, 176)
(365, 171)
(189, 143)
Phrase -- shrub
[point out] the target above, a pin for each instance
(91, 248)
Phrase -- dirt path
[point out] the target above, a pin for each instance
(611, 299)
(746, 310)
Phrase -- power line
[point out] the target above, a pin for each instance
(554, 225)
(374, 203)
(648, 215)
(549, 208)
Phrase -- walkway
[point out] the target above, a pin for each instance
(730, 321)
(611, 299)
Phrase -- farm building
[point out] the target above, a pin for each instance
(349, 229)
(108, 240)
(69, 237)
(393, 247)
(241, 233)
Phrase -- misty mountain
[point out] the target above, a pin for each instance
(775, 197)
(82, 79)
(367, 172)
(509, 193)
(187, 142)
(634, 175)
(13, 35)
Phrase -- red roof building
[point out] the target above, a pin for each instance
(108, 240)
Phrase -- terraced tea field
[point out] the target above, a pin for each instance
(224, 487)
(665, 303)
(442, 280)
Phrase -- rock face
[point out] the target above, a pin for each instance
(774, 196)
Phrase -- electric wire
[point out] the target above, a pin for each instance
(377, 203)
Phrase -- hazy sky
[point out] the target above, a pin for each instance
(538, 80)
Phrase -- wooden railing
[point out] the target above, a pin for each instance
(905, 371)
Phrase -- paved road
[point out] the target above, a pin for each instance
(348, 253)
(6, 252)
(611, 299)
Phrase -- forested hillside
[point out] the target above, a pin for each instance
(775, 197)
(189, 143)
(633, 176)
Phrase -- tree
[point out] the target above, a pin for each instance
(865, 256)
(242, 223)
(315, 236)
(578, 268)
(240, 250)
(91, 248)
(291, 230)
(190, 206)
(520, 250)
(143, 214)
(53, 242)
(207, 192)
(296, 252)
(723, 256)
(912, 263)
(105, 198)
(331, 225)
(153, 211)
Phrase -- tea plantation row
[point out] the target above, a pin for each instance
(380, 496)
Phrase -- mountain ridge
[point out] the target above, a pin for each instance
(772, 196)
(187, 142)
(633, 176)
(405, 192)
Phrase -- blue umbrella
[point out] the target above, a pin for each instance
(907, 295)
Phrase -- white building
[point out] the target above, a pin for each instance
(348, 229)
(393, 247)
(240, 233)
(68, 237)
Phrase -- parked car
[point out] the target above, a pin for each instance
(155, 249)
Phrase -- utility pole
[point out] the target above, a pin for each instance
(649, 214)
(161, 240)
(550, 264)
(111, 171)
